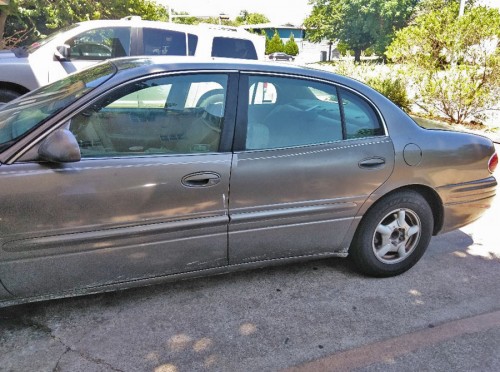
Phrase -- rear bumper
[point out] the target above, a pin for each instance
(465, 202)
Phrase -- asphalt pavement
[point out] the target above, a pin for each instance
(442, 315)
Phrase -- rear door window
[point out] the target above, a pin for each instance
(233, 48)
(361, 120)
(287, 112)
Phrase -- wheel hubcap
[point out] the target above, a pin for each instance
(396, 236)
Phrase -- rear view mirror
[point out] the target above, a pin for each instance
(60, 146)
(63, 53)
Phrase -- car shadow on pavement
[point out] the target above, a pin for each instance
(455, 242)
(257, 319)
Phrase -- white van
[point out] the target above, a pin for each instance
(83, 44)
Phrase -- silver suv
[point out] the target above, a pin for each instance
(83, 44)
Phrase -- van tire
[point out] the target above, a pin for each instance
(7, 95)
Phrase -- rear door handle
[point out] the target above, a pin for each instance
(372, 163)
(201, 179)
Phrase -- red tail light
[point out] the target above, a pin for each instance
(492, 164)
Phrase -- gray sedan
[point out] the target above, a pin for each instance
(141, 170)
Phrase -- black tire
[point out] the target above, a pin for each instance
(7, 95)
(393, 235)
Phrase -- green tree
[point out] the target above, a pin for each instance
(41, 17)
(246, 18)
(358, 23)
(185, 20)
(456, 60)
(275, 44)
(291, 46)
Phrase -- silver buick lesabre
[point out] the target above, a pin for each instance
(141, 170)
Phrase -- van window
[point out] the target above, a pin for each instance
(233, 48)
(192, 44)
(100, 44)
(164, 42)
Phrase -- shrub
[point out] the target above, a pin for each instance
(291, 46)
(275, 44)
(392, 88)
(459, 93)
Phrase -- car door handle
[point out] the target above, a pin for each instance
(201, 179)
(372, 163)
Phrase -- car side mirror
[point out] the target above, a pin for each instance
(60, 146)
(63, 53)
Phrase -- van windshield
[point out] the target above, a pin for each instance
(37, 44)
(21, 116)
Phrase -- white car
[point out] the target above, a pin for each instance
(86, 43)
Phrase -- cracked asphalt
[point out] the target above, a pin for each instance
(442, 315)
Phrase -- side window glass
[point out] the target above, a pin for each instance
(262, 93)
(233, 48)
(164, 42)
(286, 112)
(100, 44)
(169, 115)
(360, 118)
(192, 44)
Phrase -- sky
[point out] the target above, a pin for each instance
(278, 11)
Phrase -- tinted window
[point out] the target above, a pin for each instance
(100, 44)
(169, 115)
(192, 44)
(233, 48)
(164, 42)
(285, 112)
(360, 118)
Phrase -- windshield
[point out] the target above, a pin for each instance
(37, 44)
(22, 115)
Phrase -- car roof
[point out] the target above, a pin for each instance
(148, 64)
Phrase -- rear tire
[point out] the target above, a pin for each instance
(7, 95)
(393, 235)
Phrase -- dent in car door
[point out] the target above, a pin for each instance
(302, 177)
(143, 202)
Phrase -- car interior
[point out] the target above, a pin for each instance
(155, 120)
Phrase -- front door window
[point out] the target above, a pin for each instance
(161, 116)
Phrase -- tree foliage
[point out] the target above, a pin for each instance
(275, 44)
(246, 18)
(358, 23)
(41, 17)
(456, 60)
(291, 46)
(439, 37)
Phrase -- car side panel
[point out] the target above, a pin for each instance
(301, 201)
(95, 222)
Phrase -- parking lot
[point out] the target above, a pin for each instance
(319, 312)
